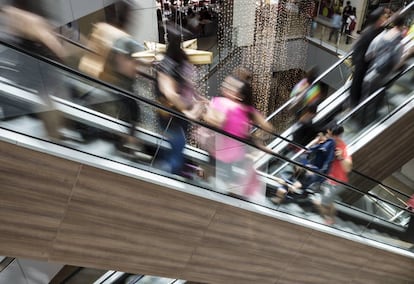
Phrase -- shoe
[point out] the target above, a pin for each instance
(276, 200)
(143, 157)
(135, 151)
(329, 221)
(133, 146)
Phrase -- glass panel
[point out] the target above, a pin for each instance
(357, 123)
(379, 106)
(326, 110)
(330, 81)
(92, 116)
(383, 229)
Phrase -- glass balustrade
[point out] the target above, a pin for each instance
(88, 112)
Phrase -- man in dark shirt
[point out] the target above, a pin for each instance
(376, 19)
(306, 130)
(346, 12)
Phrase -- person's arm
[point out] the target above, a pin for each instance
(31, 26)
(345, 159)
(260, 121)
(331, 155)
(315, 141)
(295, 187)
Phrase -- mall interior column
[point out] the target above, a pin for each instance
(144, 25)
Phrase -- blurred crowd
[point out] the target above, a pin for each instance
(378, 53)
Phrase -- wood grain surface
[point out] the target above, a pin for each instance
(62, 211)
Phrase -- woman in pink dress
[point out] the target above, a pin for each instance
(234, 113)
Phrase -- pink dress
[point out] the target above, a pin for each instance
(229, 151)
(237, 123)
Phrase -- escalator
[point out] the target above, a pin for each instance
(78, 275)
(81, 202)
(385, 130)
(379, 122)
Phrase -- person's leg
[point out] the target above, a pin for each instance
(356, 85)
(336, 35)
(325, 207)
(279, 196)
(331, 33)
(343, 27)
(129, 143)
(177, 142)
(335, 191)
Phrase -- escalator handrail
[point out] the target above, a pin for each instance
(376, 93)
(345, 57)
(182, 116)
(75, 43)
(360, 106)
(317, 80)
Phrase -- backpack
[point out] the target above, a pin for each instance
(352, 25)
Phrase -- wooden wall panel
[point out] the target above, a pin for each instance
(62, 211)
(34, 192)
(125, 217)
(386, 153)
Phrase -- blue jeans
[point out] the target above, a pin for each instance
(172, 160)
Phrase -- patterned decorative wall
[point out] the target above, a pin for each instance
(275, 25)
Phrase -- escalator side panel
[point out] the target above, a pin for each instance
(142, 223)
(386, 152)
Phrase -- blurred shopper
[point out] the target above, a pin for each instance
(336, 23)
(113, 62)
(122, 71)
(384, 53)
(346, 12)
(350, 27)
(340, 167)
(175, 90)
(234, 113)
(321, 152)
(30, 30)
(304, 94)
(305, 130)
(360, 62)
